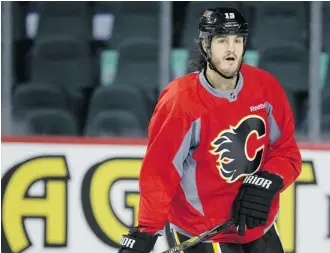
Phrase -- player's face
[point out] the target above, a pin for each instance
(227, 53)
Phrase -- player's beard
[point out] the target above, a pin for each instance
(229, 70)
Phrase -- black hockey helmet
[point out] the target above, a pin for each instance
(221, 21)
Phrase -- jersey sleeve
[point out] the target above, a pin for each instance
(161, 171)
(283, 156)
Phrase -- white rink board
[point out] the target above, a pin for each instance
(89, 211)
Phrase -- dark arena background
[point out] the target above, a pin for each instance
(79, 84)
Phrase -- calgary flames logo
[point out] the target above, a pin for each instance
(231, 148)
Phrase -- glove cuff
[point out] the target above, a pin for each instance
(138, 241)
(265, 180)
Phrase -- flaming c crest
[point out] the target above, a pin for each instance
(231, 148)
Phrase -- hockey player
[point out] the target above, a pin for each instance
(221, 145)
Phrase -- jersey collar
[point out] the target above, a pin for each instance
(230, 95)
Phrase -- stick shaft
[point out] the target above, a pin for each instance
(200, 238)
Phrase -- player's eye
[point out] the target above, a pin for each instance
(221, 41)
(238, 41)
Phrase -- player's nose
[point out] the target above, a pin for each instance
(231, 47)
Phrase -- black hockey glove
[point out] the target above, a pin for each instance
(136, 241)
(253, 201)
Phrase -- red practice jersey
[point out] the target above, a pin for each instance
(203, 142)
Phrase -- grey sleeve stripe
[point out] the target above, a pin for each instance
(191, 139)
(275, 131)
(196, 131)
(186, 165)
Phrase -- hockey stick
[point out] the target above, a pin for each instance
(200, 238)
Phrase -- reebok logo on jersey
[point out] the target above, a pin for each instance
(128, 242)
(259, 181)
(257, 107)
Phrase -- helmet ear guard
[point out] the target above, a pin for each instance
(221, 21)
